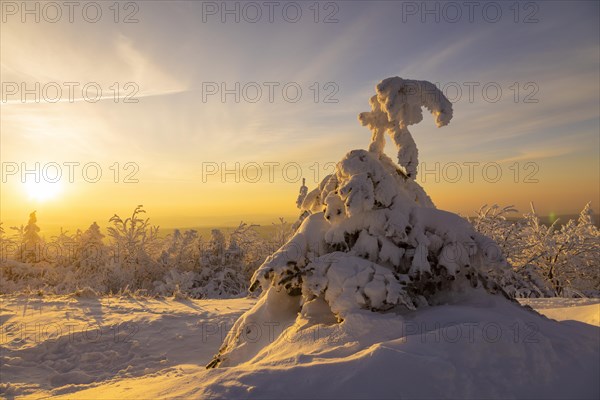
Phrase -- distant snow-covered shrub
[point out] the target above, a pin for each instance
(216, 269)
(561, 260)
(132, 259)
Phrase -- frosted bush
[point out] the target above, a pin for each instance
(559, 260)
(133, 259)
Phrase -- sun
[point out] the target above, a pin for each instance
(42, 191)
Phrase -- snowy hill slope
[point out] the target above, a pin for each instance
(476, 347)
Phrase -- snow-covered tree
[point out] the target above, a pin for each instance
(559, 260)
(181, 262)
(91, 249)
(135, 247)
(283, 231)
(232, 261)
(216, 247)
(5, 244)
(31, 242)
(133, 238)
(254, 248)
(62, 251)
(503, 227)
(302, 194)
(19, 233)
(219, 268)
(563, 256)
(182, 251)
(373, 238)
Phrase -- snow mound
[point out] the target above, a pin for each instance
(480, 346)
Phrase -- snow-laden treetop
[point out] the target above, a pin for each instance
(396, 105)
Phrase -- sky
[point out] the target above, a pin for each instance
(208, 113)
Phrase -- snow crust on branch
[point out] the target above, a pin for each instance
(396, 105)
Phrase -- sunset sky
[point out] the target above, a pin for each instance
(541, 133)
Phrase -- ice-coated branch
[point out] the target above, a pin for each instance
(398, 104)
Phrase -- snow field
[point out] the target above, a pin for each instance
(478, 347)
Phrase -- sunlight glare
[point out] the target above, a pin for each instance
(42, 191)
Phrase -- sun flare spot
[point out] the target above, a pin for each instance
(42, 191)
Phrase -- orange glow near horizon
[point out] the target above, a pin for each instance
(195, 204)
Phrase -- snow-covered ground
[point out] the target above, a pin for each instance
(480, 347)
(567, 309)
(53, 345)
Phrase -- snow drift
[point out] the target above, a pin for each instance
(477, 346)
